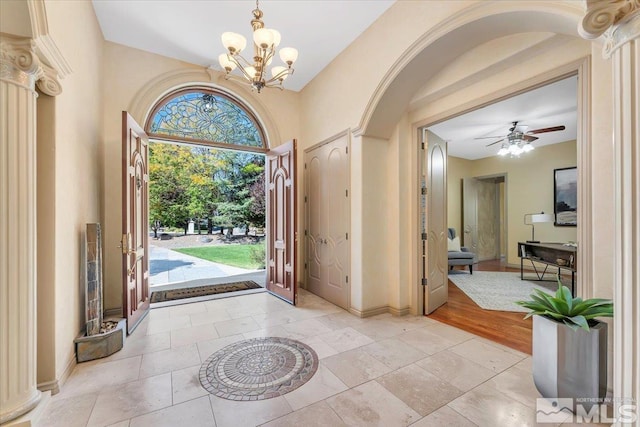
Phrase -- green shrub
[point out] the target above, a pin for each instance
(259, 255)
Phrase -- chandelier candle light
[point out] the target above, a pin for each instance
(265, 42)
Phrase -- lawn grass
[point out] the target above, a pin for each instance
(235, 255)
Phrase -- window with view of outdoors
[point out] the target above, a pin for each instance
(206, 178)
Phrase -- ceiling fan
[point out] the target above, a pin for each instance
(518, 134)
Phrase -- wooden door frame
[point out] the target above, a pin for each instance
(581, 68)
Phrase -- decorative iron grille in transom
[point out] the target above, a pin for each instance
(205, 117)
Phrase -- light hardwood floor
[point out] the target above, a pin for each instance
(504, 327)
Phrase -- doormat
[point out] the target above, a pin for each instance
(201, 291)
(258, 368)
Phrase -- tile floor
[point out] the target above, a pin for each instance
(380, 371)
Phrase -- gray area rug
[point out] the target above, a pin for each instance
(495, 290)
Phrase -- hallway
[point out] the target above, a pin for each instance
(382, 370)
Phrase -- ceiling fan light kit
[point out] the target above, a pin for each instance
(265, 42)
(518, 142)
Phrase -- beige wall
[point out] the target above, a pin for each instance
(529, 185)
(133, 80)
(46, 223)
(337, 97)
(77, 130)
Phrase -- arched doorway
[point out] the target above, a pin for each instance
(206, 196)
(216, 129)
(384, 115)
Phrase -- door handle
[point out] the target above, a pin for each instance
(125, 244)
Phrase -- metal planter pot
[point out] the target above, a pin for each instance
(568, 363)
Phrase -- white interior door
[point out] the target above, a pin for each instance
(436, 290)
(327, 219)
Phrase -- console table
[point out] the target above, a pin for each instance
(555, 255)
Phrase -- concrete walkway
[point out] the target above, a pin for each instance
(170, 269)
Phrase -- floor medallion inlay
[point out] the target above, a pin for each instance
(259, 368)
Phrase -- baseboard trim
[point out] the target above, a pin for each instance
(51, 386)
(66, 372)
(400, 311)
(370, 312)
(380, 310)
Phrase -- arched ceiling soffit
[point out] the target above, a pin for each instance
(444, 43)
(149, 95)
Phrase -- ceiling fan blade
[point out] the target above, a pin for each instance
(529, 138)
(551, 129)
(495, 142)
(490, 137)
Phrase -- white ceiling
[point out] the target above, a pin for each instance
(189, 30)
(548, 106)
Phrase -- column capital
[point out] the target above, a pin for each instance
(617, 20)
(20, 64)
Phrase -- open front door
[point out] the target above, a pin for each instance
(135, 235)
(437, 289)
(281, 214)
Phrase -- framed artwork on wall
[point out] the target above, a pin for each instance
(565, 196)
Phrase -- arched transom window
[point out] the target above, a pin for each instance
(204, 116)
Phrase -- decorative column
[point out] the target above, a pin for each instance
(619, 22)
(20, 69)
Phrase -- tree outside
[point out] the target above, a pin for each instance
(209, 187)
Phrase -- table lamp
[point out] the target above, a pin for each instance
(535, 218)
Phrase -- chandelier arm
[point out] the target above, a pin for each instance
(280, 76)
(272, 84)
(263, 59)
(236, 78)
(246, 75)
(240, 61)
(268, 54)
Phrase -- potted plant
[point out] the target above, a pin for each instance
(569, 344)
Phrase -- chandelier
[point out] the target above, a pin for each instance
(515, 145)
(265, 42)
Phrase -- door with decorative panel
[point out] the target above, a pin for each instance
(327, 220)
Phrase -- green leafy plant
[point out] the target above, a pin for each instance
(562, 307)
(259, 255)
